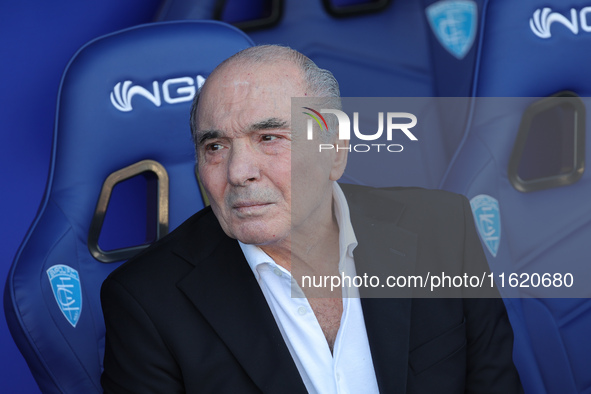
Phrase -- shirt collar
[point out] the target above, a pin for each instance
(347, 241)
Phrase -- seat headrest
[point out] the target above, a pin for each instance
(125, 97)
(534, 49)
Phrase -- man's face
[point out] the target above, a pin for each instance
(248, 161)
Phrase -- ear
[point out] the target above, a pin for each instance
(340, 158)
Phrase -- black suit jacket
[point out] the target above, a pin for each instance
(188, 315)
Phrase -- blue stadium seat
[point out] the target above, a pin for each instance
(454, 34)
(374, 48)
(520, 162)
(121, 149)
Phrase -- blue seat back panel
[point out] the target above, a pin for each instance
(524, 51)
(124, 98)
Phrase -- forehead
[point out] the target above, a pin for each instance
(241, 93)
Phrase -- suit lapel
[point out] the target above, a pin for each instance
(225, 291)
(384, 249)
(388, 327)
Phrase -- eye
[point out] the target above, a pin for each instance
(213, 147)
(268, 137)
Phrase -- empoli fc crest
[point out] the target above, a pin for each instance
(65, 283)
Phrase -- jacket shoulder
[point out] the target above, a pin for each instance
(433, 200)
(194, 238)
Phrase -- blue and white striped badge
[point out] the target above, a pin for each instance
(454, 23)
(488, 221)
(65, 283)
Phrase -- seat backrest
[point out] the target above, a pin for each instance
(454, 34)
(521, 164)
(374, 49)
(123, 111)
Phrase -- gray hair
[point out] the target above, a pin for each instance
(321, 82)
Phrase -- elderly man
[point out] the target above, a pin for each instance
(209, 308)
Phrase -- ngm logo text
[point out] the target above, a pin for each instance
(543, 19)
(172, 91)
(395, 122)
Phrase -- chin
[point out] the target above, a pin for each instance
(259, 232)
(260, 237)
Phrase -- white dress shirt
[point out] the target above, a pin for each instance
(349, 369)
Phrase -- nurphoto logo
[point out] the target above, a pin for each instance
(395, 122)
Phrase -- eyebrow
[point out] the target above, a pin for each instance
(266, 124)
(208, 135)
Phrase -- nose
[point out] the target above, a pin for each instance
(243, 166)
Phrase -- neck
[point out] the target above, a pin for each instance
(313, 243)
(310, 250)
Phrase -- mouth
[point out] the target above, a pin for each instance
(251, 208)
